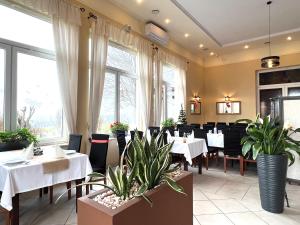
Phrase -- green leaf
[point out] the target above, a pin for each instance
(174, 185)
(246, 147)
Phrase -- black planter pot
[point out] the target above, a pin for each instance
(272, 171)
(13, 146)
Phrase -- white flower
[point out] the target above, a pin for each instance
(269, 117)
(287, 125)
(260, 120)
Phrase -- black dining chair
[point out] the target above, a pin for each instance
(208, 127)
(185, 129)
(75, 142)
(213, 153)
(211, 123)
(121, 138)
(195, 125)
(98, 154)
(154, 130)
(232, 148)
(140, 134)
(170, 129)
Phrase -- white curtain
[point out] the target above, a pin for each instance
(181, 87)
(99, 57)
(66, 20)
(144, 84)
(66, 39)
(158, 90)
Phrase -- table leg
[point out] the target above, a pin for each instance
(185, 165)
(200, 164)
(78, 190)
(15, 210)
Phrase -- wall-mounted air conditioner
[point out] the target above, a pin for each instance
(156, 34)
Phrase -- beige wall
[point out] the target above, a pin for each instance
(194, 86)
(237, 81)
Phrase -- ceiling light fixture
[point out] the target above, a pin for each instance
(201, 46)
(167, 21)
(139, 1)
(212, 53)
(289, 38)
(270, 61)
(155, 12)
(246, 46)
(186, 35)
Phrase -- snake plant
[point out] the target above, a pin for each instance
(269, 136)
(153, 162)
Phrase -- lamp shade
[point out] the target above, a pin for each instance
(270, 61)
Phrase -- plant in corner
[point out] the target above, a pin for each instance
(271, 145)
(168, 123)
(18, 139)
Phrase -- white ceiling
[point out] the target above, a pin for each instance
(234, 21)
(223, 26)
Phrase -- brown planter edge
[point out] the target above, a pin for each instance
(183, 204)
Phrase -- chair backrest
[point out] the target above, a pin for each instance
(187, 129)
(195, 125)
(98, 153)
(140, 134)
(155, 130)
(75, 142)
(208, 127)
(121, 141)
(211, 123)
(200, 133)
(170, 129)
(221, 123)
(222, 127)
(232, 143)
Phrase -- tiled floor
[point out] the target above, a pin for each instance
(219, 199)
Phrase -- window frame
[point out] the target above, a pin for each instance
(118, 73)
(283, 86)
(167, 84)
(10, 82)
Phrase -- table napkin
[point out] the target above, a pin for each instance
(28, 152)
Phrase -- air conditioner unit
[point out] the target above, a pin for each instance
(156, 34)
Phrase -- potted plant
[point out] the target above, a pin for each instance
(271, 145)
(118, 126)
(15, 140)
(144, 191)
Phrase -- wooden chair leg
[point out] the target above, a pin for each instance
(206, 161)
(87, 189)
(69, 189)
(225, 164)
(51, 194)
(241, 165)
(41, 192)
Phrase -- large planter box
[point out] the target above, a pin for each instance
(169, 208)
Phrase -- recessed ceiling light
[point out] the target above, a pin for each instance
(246, 46)
(211, 53)
(289, 38)
(201, 46)
(167, 21)
(186, 35)
(139, 1)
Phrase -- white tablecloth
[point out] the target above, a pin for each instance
(215, 140)
(21, 178)
(191, 149)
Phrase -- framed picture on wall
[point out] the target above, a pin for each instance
(195, 108)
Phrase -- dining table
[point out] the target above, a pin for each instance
(189, 148)
(215, 140)
(19, 175)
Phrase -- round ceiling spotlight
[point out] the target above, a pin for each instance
(155, 12)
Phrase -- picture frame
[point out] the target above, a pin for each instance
(228, 108)
(195, 108)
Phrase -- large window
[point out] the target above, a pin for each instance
(170, 104)
(119, 94)
(28, 67)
